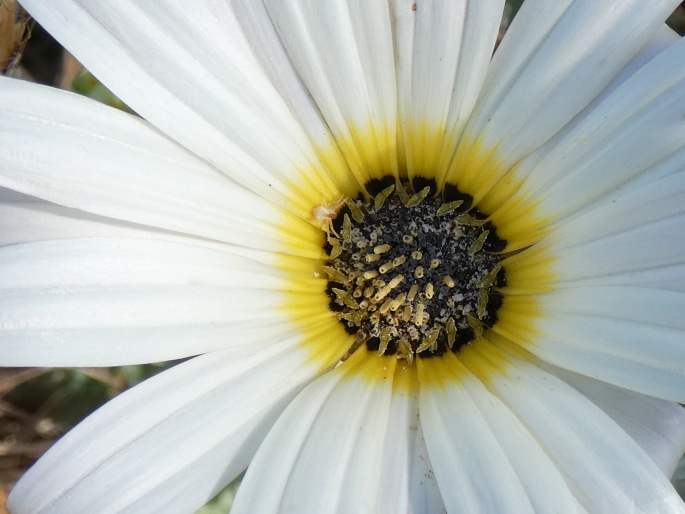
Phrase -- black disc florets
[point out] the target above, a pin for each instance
(412, 272)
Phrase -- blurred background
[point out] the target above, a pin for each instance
(39, 405)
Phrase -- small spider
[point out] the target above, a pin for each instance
(323, 215)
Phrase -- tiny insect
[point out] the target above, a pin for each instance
(323, 215)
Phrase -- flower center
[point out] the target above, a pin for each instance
(412, 272)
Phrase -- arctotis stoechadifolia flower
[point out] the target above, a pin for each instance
(415, 279)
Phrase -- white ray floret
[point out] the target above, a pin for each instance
(188, 431)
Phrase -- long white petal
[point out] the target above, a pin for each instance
(606, 150)
(344, 55)
(409, 484)
(269, 49)
(604, 467)
(192, 73)
(172, 442)
(627, 336)
(630, 240)
(544, 73)
(73, 151)
(329, 443)
(661, 40)
(484, 458)
(443, 50)
(656, 425)
(101, 301)
(643, 248)
(25, 219)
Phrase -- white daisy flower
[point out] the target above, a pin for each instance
(411, 278)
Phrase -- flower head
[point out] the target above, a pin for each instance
(412, 277)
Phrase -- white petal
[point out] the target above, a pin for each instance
(627, 336)
(409, 484)
(344, 55)
(26, 219)
(604, 467)
(192, 73)
(640, 305)
(645, 247)
(443, 50)
(628, 135)
(628, 240)
(655, 201)
(29, 219)
(103, 301)
(78, 153)
(483, 456)
(656, 425)
(555, 58)
(172, 442)
(330, 446)
(668, 277)
(660, 41)
(268, 48)
(93, 262)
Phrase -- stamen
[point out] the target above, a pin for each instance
(346, 298)
(477, 245)
(353, 316)
(451, 332)
(489, 279)
(386, 306)
(386, 334)
(398, 260)
(404, 196)
(346, 229)
(356, 212)
(476, 325)
(397, 302)
(466, 219)
(385, 290)
(382, 197)
(482, 303)
(335, 274)
(404, 349)
(406, 312)
(429, 290)
(384, 268)
(418, 315)
(381, 249)
(336, 251)
(416, 199)
(446, 208)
